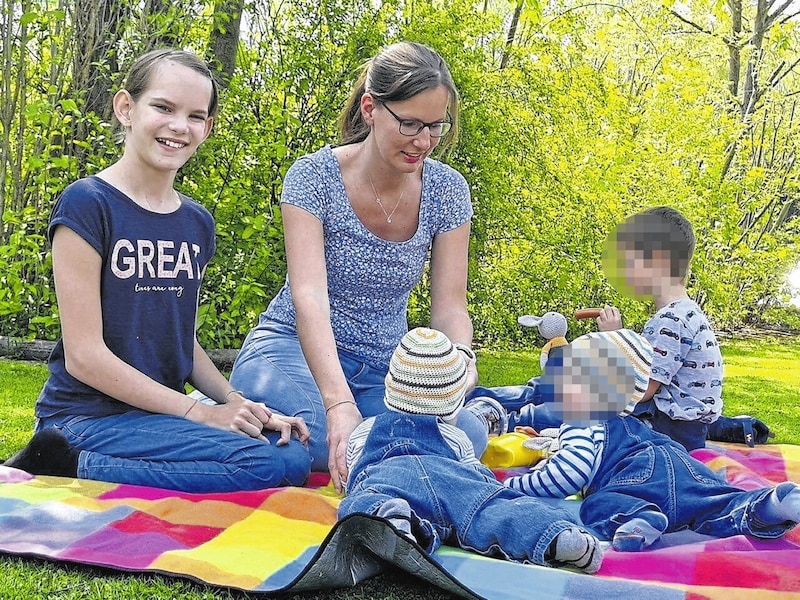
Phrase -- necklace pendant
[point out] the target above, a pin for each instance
(388, 219)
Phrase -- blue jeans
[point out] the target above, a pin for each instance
(526, 405)
(406, 457)
(141, 448)
(645, 470)
(690, 434)
(271, 368)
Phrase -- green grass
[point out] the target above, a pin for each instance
(761, 379)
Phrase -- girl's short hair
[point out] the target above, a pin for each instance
(398, 72)
(141, 72)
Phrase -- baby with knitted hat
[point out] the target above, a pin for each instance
(637, 483)
(412, 467)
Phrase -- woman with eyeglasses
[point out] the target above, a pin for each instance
(361, 221)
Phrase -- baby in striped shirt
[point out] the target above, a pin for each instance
(637, 483)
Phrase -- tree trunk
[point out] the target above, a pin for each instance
(224, 42)
(750, 93)
(94, 61)
(512, 32)
(734, 48)
(39, 350)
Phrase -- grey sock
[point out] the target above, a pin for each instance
(640, 532)
(398, 512)
(576, 548)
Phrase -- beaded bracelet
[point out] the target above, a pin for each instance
(335, 404)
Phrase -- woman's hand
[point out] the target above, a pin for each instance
(246, 417)
(343, 417)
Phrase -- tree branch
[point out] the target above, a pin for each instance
(773, 16)
(789, 17)
(776, 78)
(690, 23)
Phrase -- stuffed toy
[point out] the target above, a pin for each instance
(552, 327)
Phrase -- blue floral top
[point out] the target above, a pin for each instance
(369, 278)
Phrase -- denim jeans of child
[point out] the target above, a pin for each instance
(271, 369)
(141, 448)
(646, 470)
(525, 404)
(690, 434)
(405, 456)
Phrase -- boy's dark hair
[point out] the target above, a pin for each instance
(661, 228)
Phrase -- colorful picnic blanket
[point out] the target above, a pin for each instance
(287, 539)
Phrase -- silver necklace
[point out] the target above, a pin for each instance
(380, 202)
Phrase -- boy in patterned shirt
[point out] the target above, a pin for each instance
(650, 255)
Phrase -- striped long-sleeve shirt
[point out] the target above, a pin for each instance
(570, 469)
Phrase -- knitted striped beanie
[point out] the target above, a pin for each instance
(638, 352)
(427, 375)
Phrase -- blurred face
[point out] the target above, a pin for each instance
(169, 120)
(392, 121)
(591, 381)
(632, 274)
(638, 272)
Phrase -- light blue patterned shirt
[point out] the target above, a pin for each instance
(687, 361)
(369, 278)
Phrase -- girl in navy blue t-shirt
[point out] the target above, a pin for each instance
(129, 255)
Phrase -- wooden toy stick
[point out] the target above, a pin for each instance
(587, 313)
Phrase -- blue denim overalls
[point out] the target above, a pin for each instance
(405, 456)
(646, 470)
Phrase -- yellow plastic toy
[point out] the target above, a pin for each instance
(506, 451)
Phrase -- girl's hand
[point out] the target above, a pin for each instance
(472, 375)
(288, 426)
(342, 419)
(246, 417)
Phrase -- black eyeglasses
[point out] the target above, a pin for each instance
(411, 127)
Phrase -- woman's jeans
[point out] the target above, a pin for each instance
(142, 448)
(646, 470)
(271, 369)
(406, 457)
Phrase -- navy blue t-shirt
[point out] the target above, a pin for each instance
(153, 265)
